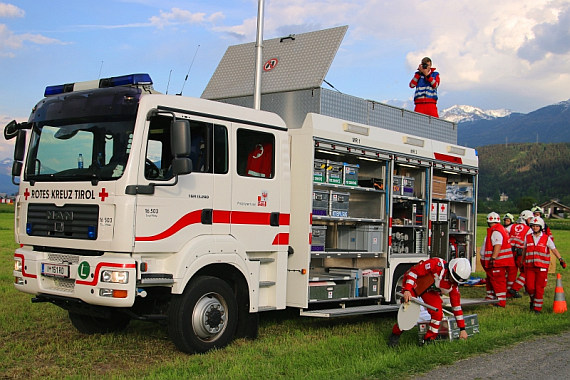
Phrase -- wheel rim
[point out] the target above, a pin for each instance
(209, 316)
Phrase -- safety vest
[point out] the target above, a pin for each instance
(518, 235)
(537, 255)
(505, 257)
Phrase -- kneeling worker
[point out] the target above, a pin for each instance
(429, 279)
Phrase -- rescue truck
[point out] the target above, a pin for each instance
(201, 214)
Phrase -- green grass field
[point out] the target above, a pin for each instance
(37, 340)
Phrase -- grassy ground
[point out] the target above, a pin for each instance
(37, 340)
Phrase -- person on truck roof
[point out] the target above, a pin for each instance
(429, 279)
(426, 82)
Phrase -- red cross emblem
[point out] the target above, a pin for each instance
(103, 194)
(26, 194)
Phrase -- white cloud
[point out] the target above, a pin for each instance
(10, 11)
(181, 16)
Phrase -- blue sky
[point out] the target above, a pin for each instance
(508, 54)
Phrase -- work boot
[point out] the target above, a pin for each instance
(393, 340)
(514, 293)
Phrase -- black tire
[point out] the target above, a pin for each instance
(397, 281)
(204, 317)
(88, 324)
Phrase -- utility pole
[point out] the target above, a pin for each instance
(258, 56)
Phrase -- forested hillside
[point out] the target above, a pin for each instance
(527, 172)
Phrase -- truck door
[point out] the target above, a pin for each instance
(256, 191)
(174, 213)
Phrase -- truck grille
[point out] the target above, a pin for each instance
(68, 221)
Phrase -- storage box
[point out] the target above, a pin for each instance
(350, 174)
(319, 235)
(408, 186)
(334, 172)
(397, 185)
(448, 329)
(329, 290)
(375, 183)
(339, 204)
(319, 172)
(372, 285)
(320, 202)
(439, 185)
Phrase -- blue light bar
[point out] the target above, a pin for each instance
(91, 232)
(123, 80)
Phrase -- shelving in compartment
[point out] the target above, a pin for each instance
(409, 224)
(350, 200)
(454, 230)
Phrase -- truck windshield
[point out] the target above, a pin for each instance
(68, 150)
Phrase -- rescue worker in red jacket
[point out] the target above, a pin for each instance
(508, 221)
(496, 257)
(536, 262)
(429, 279)
(517, 238)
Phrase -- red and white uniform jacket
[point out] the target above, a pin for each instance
(537, 253)
(518, 234)
(430, 276)
(260, 161)
(505, 257)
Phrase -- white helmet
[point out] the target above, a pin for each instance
(493, 217)
(460, 270)
(525, 214)
(537, 220)
(537, 209)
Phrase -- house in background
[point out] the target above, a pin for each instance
(555, 209)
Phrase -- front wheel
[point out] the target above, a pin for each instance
(204, 316)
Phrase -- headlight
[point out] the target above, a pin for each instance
(118, 277)
(18, 265)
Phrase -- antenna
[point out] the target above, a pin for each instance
(100, 69)
(168, 84)
(333, 87)
(192, 63)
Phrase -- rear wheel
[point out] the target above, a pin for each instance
(204, 316)
(88, 324)
(398, 281)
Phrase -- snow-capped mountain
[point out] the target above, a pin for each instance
(460, 114)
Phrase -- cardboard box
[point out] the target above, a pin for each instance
(439, 186)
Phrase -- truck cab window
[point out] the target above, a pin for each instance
(255, 154)
(208, 149)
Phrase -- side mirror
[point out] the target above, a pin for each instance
(180, 138)
(11, 130)
(181, 165)
(20, 146)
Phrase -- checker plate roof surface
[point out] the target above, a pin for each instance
(299, 62)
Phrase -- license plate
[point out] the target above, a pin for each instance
(55, 270)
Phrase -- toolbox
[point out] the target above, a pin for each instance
(329, 290)
(339, 204)
(319, 173)
(408, 186)
(334, 172)
(448, 329)
(320, 202)
(319, 235)
(372, 285)
(350, 174)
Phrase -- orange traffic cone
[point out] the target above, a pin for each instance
(559, 299)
